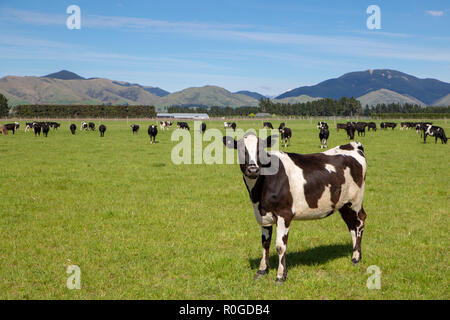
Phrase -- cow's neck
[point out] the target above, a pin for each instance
(254, 187)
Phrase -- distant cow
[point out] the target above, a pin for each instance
(3, 130)
(135, 128)
(267, 125)
(165, 125)
(92, 126)
(152, 132)
(436, 132)
(183, 125)
(421, 127)
(286, 135)
(341, 126)
(45, 129)
(29, 126)
(233, 126)
(322, 124)
(361, 128)
(102, 129)
(323, 136)
(73, 128)
(84, 126)
(350, 130)
(385, 125)
(226, 125)
(37, 129)
(12, 127)
(281, 126)
(372, 125)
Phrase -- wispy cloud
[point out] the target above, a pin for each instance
(434, 13)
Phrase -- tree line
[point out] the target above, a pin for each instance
(83, 111)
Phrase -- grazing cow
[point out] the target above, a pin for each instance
(37, 129)
(421, 127)
(202, 127)
(102, 129)
(233, 126)
(281, 126)
(436, 132)
(135, 128)
(152, 132)
(3, 130)
(45, 129)
(165, 125)
(350, 130)
(372, 125)
(286, 135)
(323, 136)
(55, 125)
(73, 128)
(361, 128)
(12, 127)
(385, 125)
(304, 187)
(267, 125)
(92, 126)
(84, 126)
(341, 126)
(183, 125)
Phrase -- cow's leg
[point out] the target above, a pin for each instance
(355, 221)
(266, 237)
(281, 246)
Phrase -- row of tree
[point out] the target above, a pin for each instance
(83, 111)
(407, 108)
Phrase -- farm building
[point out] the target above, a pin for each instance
(195, 116)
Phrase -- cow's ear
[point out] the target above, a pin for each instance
(270, 141)
(229, 142)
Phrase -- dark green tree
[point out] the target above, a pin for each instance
(4, 110)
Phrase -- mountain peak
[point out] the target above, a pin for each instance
(64, 75)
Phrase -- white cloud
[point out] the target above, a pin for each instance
(434, 13)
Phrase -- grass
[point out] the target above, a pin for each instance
(140, 227)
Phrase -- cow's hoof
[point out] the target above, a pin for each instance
(280, 281)
(355, 261)
(260, 274)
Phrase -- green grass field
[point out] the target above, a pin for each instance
(141, 227)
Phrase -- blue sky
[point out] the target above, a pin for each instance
(263, 46)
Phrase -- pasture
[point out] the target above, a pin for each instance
(141, 227)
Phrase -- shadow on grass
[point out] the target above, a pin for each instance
(311, 256)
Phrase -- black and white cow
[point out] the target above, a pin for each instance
(37, 129)
(102, 129)
(304, 187)
(372, 125)
(436, 132)
(385, 125)
(267, 125)
(286, 135)
(324, 134)
(183, 125)
(281, 126)
(28, 126)
(322, 124)
(152, 132)
(91, 126)
(135, 128)
(165, 125)
(84, 126)
(73, 128)
(226, 125)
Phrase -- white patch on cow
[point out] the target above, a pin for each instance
(251, 144)
(353, 234)
(266, 220)
(330, 168)
(281, 247)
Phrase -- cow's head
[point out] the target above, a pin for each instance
(252, 156)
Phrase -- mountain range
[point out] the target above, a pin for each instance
(370, 87)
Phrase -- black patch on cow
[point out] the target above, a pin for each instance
(347, 146)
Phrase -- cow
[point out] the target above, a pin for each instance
(37, 129)
(301, 187)
(323, 136)
(73, 128)
(267, 125)
(361, 128)
(12, 127)
(28, 126)
(102, 129)
(135, 128)
(372, 125)
(281, 126)
(165, 125)
(152, 132)
(183, 125)
(45, 129)
(84, 126)
(3, 130)
(55, 125)
(91, 126)
(385, 125)
(233, 126)
(322, 124)
(202, 127)
(341, 126)
(226, 125)
(350, 130)
(286, 135)
(436, 132)
(421, 127)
